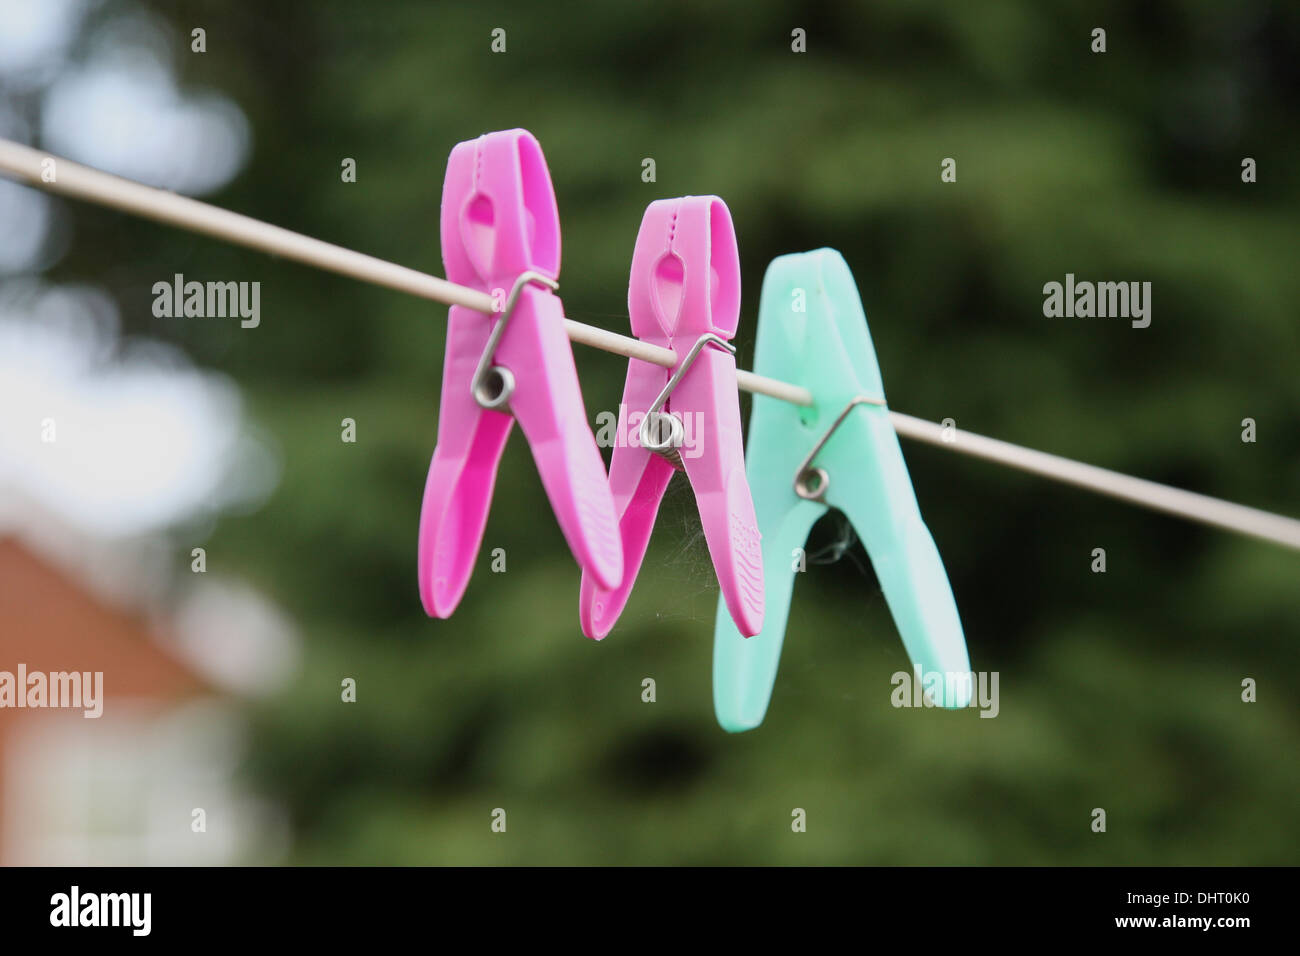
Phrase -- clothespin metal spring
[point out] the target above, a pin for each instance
(663, 432)
(492, 385)
(811, 483)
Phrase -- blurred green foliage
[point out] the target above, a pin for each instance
(1118, 690)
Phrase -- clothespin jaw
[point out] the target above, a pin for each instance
(499, 214)
(501, 235)
(683, 294)
(685, 277)
(843, 453)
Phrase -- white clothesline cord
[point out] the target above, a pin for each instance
(1158, 497)
(67, 178)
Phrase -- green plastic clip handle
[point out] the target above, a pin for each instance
(813, 332)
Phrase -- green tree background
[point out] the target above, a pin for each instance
(1118, 690)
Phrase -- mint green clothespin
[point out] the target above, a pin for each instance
(842, 453)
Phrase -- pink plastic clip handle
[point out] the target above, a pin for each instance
(685, 283)
(499, 219)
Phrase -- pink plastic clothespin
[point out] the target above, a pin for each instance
(501, 234)
(684, 294)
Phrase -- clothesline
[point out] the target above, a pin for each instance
(64, 177)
